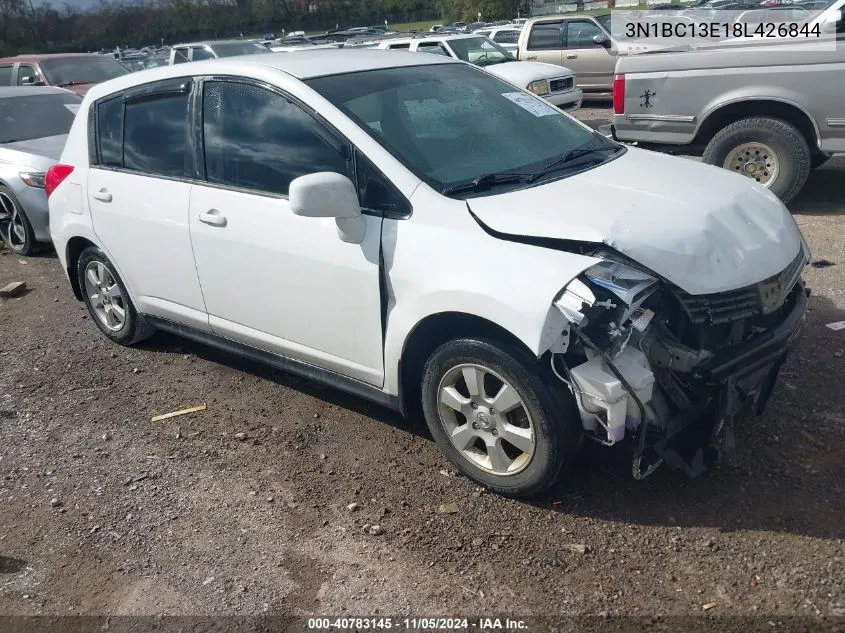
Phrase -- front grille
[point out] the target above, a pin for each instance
(761, 298)
(559, 85)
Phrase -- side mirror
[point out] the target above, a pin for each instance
(31, 80)
(600, 39)
(833, 23)
(329, 195)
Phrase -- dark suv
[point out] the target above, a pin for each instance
(76, 72)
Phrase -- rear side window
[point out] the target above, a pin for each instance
(180, 55)
(256, 139)
(198, 54)
(506, 37)
(154, 135)
(398, 46)
(6, 75)
(545, 36)
(147, 134)
(110, 132)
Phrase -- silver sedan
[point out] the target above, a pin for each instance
(34, 123)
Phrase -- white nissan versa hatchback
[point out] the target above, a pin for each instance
(416, 231)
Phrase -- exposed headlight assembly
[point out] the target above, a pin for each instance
(629, 285)
(540, 87)
(32, 178)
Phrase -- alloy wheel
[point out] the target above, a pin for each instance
(12, 223)
(486, 420)
(105, 295)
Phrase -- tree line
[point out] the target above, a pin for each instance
(26, 28)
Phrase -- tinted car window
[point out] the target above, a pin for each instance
(257, 139)
(180, 55)
(580, 34)
(237, 48)
(24, 71)
(506, 37)
(81, 70)
(432, 47)
(36, 116)
(6, 75)
(545, 36)
(154, 133)
(110, 132)
(198, 54)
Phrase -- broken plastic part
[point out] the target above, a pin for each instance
(630, 285)
(574, 298)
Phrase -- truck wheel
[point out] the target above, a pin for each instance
(771, 151)
(494, 417)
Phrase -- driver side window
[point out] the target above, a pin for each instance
(580, 34)
(26, 71)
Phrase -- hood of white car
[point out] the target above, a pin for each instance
(523, 73)
(702, 228)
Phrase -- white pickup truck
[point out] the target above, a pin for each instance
(768, 110)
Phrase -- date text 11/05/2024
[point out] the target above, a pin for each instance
(417, 624)
(720, 30)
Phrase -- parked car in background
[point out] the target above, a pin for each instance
(197, 51)
(767, 110)
(435, 241)
(582, 43)
(76, 72)
(474, 26)
(505, 36)
(34, 123)
(553, 83)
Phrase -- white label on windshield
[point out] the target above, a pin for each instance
(534, 106)
(73, 107)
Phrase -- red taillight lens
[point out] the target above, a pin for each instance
(619, 94)
(55, 176)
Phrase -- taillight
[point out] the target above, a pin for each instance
(619, 94)
(55, 176)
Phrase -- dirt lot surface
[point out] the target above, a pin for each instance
(244, 508)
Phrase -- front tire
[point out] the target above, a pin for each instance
(108, 301)
(770, 151)
(15, 226)
(493, 415)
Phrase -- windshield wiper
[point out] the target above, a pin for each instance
(570, 156)
(72, 82)
(486, 182)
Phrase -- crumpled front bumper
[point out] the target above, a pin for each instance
(740, 381)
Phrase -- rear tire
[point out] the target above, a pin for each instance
(788, 145)
(108, 301)
(517, 450)
(15, 226)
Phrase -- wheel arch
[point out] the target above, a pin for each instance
(73, 251)
(774, 107)
(431, 332)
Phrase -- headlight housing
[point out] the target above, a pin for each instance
(608, 285)
(33, 178)
(539, 87)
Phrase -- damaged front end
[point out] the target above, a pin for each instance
(668, 371)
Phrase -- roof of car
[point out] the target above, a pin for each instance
(213, 42)
(305, 64)
(26, 91)
(432, 36)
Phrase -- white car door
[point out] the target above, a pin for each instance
(138, 193)
(273, 280)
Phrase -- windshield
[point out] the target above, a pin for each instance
(451, 124)
(91, 69)
(36, 116)
(234, 49)
(479, 51)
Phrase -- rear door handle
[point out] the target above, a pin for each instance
(212, 217)
(102, 195)
(572, 56)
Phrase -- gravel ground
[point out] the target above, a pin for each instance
(245, 508)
